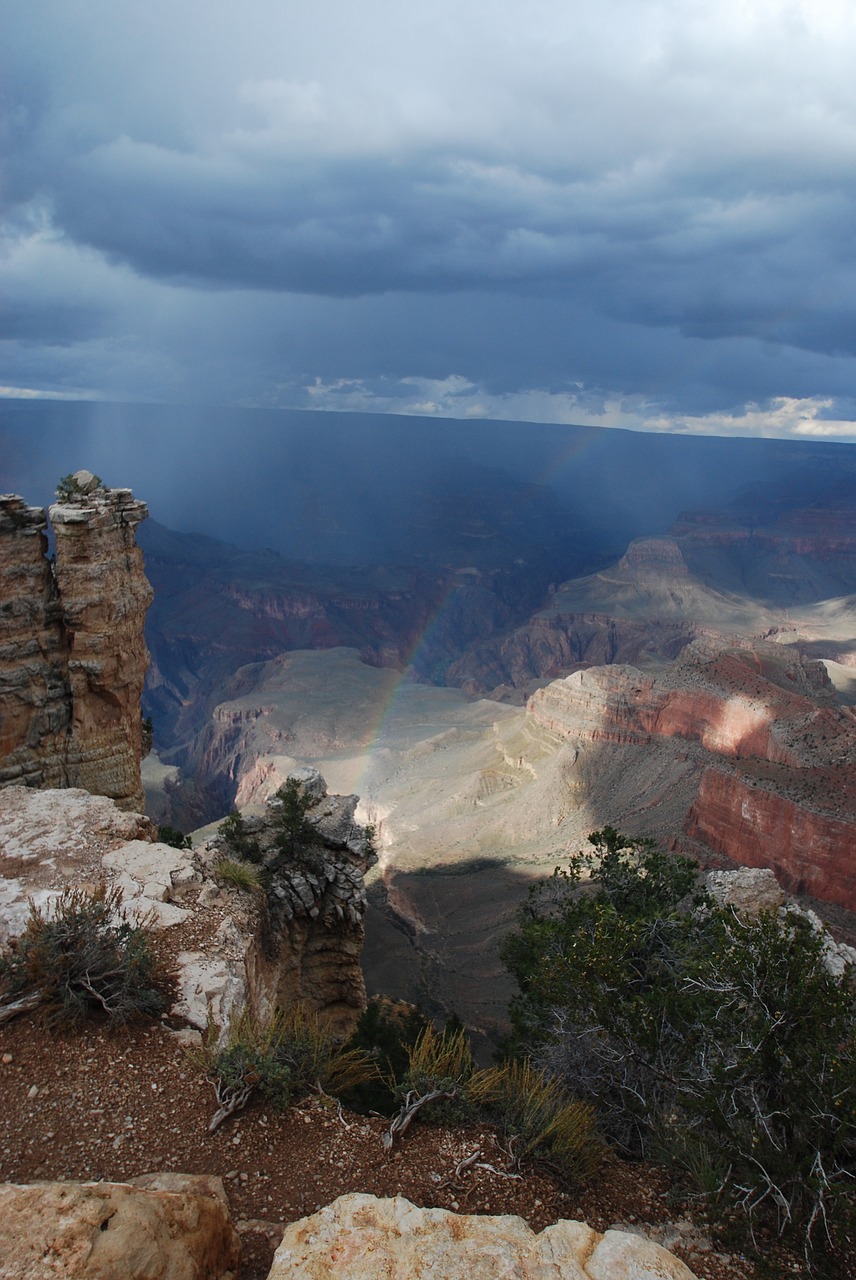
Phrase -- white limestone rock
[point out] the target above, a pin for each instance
(361, 1237)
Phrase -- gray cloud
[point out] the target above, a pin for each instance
(651, 201)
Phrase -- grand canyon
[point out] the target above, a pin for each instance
(475, 706)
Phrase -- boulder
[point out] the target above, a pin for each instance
(360, 1237)
(180, 1230)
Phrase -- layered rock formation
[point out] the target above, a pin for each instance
(744, 815)
(767, 772)
(72, 655)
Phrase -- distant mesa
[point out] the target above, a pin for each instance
(72, 654)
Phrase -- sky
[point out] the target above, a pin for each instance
(633, 213)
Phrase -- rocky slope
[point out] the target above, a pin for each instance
(71, 643)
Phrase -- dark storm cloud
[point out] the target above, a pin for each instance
(645, 202)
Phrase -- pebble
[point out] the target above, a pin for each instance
(7, 1059)
(33, 1091)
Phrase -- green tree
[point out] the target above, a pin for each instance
(295, 833)
(721, 1042)
(233, 829)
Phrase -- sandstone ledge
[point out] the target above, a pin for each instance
(359, 1237)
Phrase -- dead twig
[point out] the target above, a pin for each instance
(23, 1004)
(410, 1108)
(231, 1098)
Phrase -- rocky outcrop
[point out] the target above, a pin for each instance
(303, 948)
(360, 1237)
(317, 904)
(115, 1231)
(35, 702)
(72, 655)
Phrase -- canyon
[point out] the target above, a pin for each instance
(643, 695)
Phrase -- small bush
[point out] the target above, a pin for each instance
(68, 489)
(295, 833)
(386, 1031)
(439, 1060)
(318, 1060)
(537, 1118)
(174, 838)
(83, 955)
(234, 832)
(285, 1056)
(249, 1060)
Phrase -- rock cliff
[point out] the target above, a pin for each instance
(72, 654)
(767, 762)
(741, 813)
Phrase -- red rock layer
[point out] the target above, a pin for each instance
(810, 852)
(777, 771)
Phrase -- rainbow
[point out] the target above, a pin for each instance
(386, 707)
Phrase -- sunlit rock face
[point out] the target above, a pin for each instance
(72, 654)
(366, 1238)
(772, 761)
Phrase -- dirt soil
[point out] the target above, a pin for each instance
(105, 1104)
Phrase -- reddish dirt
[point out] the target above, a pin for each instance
(104, 1104)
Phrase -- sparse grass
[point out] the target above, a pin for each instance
(439, 1060)
(538, 1118)
(284, 1056)
(239, 875)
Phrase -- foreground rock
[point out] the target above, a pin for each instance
(359, 1237)
(72, 654)
(113, 1231)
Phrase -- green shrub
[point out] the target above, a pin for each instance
(174, 838)
(386, 1031)
(83, 955)
(234, 832)
(285, 1056)
(68, 489)
(537, 1118)
(295, 833)
(249, 1060)
(721, 1043)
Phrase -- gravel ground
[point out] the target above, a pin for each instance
(100, 1103)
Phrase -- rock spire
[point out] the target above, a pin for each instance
(72, 654)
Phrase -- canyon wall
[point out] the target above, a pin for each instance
(72, 654)
(810, 851)
(753, 731)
